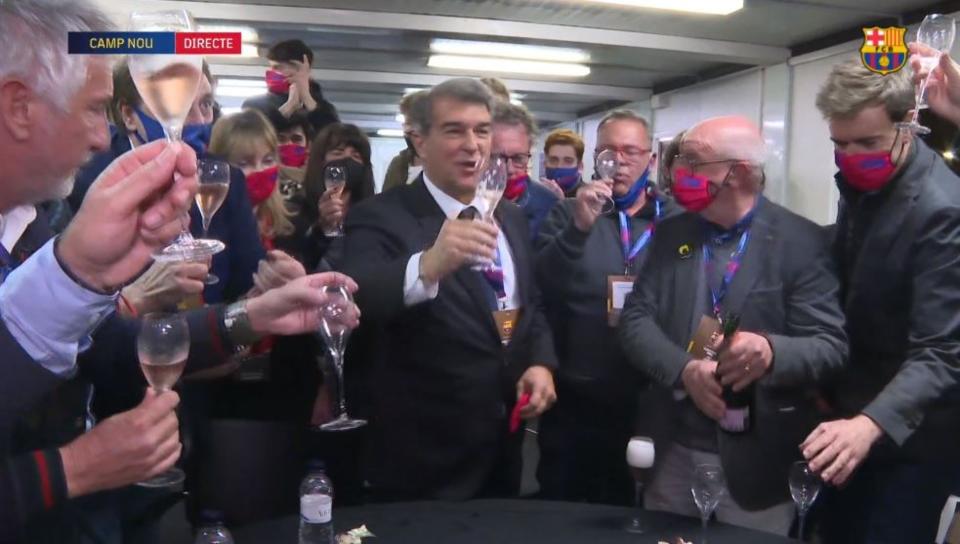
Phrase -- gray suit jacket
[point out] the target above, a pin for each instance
(902, 300)
(785, 288)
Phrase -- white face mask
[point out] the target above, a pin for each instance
(413, 172)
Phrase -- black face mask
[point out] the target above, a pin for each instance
(413, 150)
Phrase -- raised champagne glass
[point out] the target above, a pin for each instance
(162, 347)
(168, 84)
(214, 178)
(936, 32)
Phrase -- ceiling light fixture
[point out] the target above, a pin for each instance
(513, 66)
(708, 7)
(231, 91)
(400, 118)
(390, 132)
(509, 50)
(231, 82)
(247, 34)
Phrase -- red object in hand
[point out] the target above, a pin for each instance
(515, 415)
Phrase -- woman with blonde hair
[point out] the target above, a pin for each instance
(247, 140)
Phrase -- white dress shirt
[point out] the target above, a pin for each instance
(416, 291)
(49, 315)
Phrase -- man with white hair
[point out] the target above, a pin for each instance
(734, 254)
(56, 292)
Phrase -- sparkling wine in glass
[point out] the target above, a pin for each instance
(490, 187)
(167, 85)
(936, 32)
(162, 347)
(606, 166)
(640, 457)
(709, 486)
(214, 178)
(335, 316)
(805, 485)
(335, 178)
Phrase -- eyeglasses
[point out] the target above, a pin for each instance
(693, 165)
(629, 153)
(519, 160)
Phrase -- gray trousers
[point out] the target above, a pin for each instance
(669, 491)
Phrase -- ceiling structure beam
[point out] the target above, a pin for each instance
(627, 94)
(707, 49)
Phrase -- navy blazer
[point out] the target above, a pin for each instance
(234, 224)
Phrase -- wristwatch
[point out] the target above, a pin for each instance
(237, 324)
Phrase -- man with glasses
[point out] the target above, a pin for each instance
(513, 132)
(735, 254)
(892, 451)
(586, 260)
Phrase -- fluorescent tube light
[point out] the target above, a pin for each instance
(708, 7)
(509, 50)
(513, 66)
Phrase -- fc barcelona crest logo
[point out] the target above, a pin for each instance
(884, 50)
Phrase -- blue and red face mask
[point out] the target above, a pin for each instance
(196, 136)
(867, 172)
(566, 178)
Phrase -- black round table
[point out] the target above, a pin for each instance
(504, 522)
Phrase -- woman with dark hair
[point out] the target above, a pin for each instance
(337, 145)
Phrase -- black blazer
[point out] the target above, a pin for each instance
(785, 288)
(902, 300)
(443, 389)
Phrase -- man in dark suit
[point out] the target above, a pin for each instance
(894, 451)
(514, 130)
(735, 253)
(463, 346)
(582, 259)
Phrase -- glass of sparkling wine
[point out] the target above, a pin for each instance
(606, 165)
(214, 178)
(805, 485)
(640, 456)
(335, 315)
(168, 84)
(709, 486)
(335, 178)
(162, 346)
(936, 32)
(490, 187)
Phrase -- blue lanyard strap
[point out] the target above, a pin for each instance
(630, 252)
(732, 266)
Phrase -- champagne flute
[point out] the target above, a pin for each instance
(335, 177)
(162, 347)
(334, 329)
(936, 32)
(709, 485)
(805, 485)
(606, 166)
(214, 178)
(167, 85)
(640, 456)
(490, 187)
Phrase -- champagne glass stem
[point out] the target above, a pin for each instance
(803, 520)
(704, 520)
(638, 500)
(341, 393)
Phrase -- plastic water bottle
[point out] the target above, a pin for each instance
(316, 506)
(212, 530)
